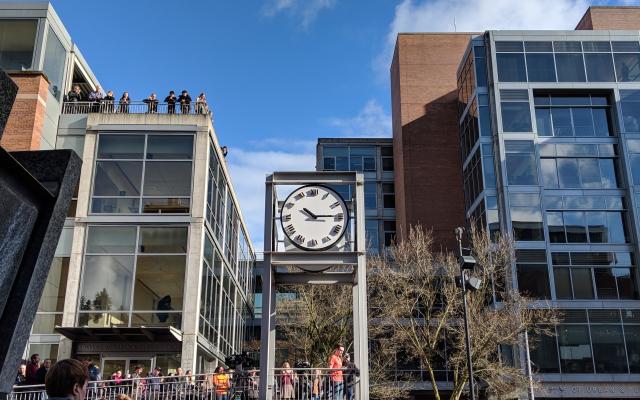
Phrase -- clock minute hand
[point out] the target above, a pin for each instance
(323, 215)
(310, 213)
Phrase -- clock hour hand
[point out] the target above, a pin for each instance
(310, 213)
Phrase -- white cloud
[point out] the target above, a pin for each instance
(371, 121)
(249, 168)
(477, 16)
(304, 10)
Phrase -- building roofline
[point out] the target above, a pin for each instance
(355, 140)
(440, 33)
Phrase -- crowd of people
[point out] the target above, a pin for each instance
(336, 382)
(106, 103)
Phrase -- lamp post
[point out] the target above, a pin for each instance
(467, 263)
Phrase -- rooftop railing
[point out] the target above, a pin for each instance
(107, 107)
(294, 383)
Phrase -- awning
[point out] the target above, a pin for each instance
(120, 334)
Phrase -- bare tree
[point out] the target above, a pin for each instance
(313, 319)
(415, 308)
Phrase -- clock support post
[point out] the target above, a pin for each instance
(284, 266)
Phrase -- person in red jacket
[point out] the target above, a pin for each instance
(32, 369)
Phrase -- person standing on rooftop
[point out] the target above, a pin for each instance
(171, 100)
(185, 102)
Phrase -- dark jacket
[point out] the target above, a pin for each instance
(32, 371)
(108, 98)
(351, 371)
(73, 96)
(184, 99)
(170, 100)
(40, 375)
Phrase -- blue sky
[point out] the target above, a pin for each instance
(279, 73)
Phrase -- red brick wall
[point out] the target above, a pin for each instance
(610, 18)
(24, 127)
(428, 169)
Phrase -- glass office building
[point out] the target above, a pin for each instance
(374, 158)
(549, 127)
(160, 261)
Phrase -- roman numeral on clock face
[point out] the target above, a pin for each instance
(312, 192)
(325, 196)
(290, 229)
(334, 205)
(336, 229)
(299, 239)
(286, 217)
(312, 242)
(299, 196)
(326, 239)
(339, 217)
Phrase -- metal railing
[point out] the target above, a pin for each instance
(141, 107)
(295, 383)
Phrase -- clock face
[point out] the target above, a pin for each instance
(314, 217)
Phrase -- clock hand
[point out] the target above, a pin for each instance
(310, 213)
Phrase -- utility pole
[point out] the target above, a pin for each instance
(465, 264)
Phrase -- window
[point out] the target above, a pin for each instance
(51, 306)
(516, 116)
(594, 275)
(570, 67)
(121, 160)
(479, 53)
(129, 286)
(521, 162)
(54, 60)
(511, 65)
(533, 276)
(388, 195)
(599, 67)
(567, 172)
(17, 41)
(389, 232)
(484, 115)
(362, 158)
(540, 67)
(572, 115)
(626, 56)
(630, 108)
(371, 232)
(336, 158)
(526, 217)
(370, 195)
(544, 353)
(387, 158)
(575, 349)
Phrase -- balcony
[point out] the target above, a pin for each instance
(87, 107)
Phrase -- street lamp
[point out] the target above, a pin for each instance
(467, 282)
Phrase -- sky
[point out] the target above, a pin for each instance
(278, 74)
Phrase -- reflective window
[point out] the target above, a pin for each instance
(167, 177)
(511, 67)
(630, 107)
(544, 353)
(570, 67)
(575, 349)
(533, 276)
(540, 67)
(130, 286)
(516, 116)
(632, 338)
(599, 67)
(370, 195)
(17, 41)
(627, 67)
(389, 228)
(587, 173)
(608, 349)
(526, 217)
(54, 61)
(371, 231)
(521, 163)
(572, 116)
(388, 195)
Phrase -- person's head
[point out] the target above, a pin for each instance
(179, 371)
(339, 349)
(185, 92)
(219, 370)
(47, 363)
(347, 357)
(202, 95)
(98, 88)
(67, 378)
(76, 88)
(286, 364)
(22, 369)
(122, 396)
(189, 372)
(172, 93)
(157, 371)
(110, 93)
(118, 373)
(152, 96)
(138, 369)
(35, 358)
(125, 95)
